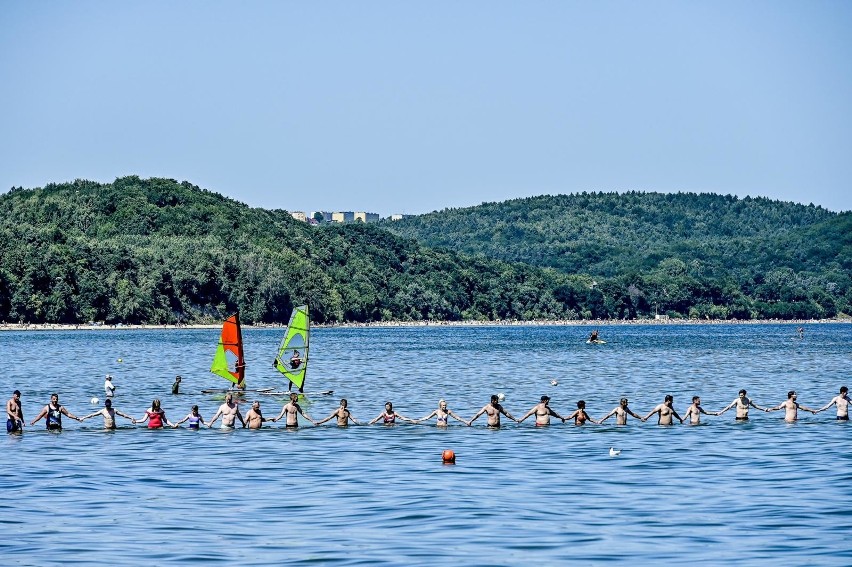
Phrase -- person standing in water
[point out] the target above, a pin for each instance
(842, 402)
(109, 387)
(108, 413)
(579, 415)
(665, 412)
(493, 411)
(542, 411)
(292, 410)
(389, 416)
(343, 415)
(254, 417)
(230, 412)
(194, 418)
(53, 413)
(176, 385)
(14, 413)
(442, 414)
(791, 407)
(155, 416)
(620, 412)
(742, 403)
(694, 411)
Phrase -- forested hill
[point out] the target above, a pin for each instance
(159, 251)
(608, 234)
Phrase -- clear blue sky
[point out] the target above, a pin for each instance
(403, 106)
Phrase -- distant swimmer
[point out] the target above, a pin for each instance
(742, 403)
(53, 413)
(841, 401)
(389, 416)
(693, 412)
(791, 407)
(254, 417)
(155, 416)
(493, 411)
(542, 411)
(176, 385)
(801, 332)
(108, 413)
(292, 410)
(14, 413)
(664, 412)
(109, 387)
(442, 415)
(194, 418)
(620, 412)
(579, 415)
(343, 415)
(229, 412)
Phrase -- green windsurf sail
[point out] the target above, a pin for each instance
(292, 359)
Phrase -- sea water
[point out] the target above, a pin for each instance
(742, 493)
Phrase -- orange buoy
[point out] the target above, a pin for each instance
(448, 456)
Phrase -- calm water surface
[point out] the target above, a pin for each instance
(720, 492)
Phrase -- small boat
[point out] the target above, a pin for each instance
(229, 362)
(294, 351)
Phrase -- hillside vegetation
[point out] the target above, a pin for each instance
(682, 254)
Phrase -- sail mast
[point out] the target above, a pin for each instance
(230, 342)
(294, 351)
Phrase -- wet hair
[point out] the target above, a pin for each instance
(54, 394)
(494, 398)
(581, 404)
(623, 400)
(155, 405)
(742, 391)
(18, 392)
(344, 401)
(389, 404)
(695, 398)
(669, 398)
(441, 401)
(791, 393)
(545, 398)
(194, 408)
(107, 402)
(177, 378)
(843, 390)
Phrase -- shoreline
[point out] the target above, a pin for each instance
(410, 324)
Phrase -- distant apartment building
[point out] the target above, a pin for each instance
(299, 215)
(343, 216)
(400, 217)
(324, 216)
(366, 217)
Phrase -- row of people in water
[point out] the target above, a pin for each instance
(229, 412)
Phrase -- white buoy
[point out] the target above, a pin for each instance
(501, 396)
(554, 383)
(614, 452)
(95, 400)
(119, 360)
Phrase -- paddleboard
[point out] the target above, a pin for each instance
(234, 390)
(597, 342)
(286, 393)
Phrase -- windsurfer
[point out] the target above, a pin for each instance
(53, 413)
(620, 412)
(664, 412)
(343, 415)
(14, 413)
(542, 411)
(229, 412)
(593, 337)
(842, 402)
(389, 416)
(108, 413)
(493, 411)
(254, 417)
(155, 416)
(295, 360)
(442, 414)
(194, 418)
(292, 410)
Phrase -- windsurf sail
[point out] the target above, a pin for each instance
(292, 359)
(228, 362)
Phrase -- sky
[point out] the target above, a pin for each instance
(409, 107)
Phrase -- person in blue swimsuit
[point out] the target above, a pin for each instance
(53, 413)
(194, 418)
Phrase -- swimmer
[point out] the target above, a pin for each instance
(229, 412)
(620, 412)
(493, 411)
(665, 412)
(842, 403)
(53, 413)
(292, 410)
(389, 416)
(542, 411)
(109, 387)
(580, 416)
(442, 415)
(108, 413)
(176, 385)
(791, 407)
(742, 403)
(155, 416)
(14, 413)
(343, 415)
(694, 411)
(194, 418)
